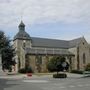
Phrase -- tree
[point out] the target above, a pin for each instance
(6, 52)
(57, 63)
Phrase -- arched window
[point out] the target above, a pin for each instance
(84, 58)
(78, 62)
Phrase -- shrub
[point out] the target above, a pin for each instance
(29, 70)
(77, 71)
(22, 70)
(87, 68)
(57, 64)
(61, 75)
(25, 70)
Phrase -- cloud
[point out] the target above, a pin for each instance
(42, 11)
(4, 1)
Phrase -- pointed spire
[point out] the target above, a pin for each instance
(21, 26)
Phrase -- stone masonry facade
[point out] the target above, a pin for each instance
(36, 52)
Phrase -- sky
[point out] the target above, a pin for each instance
(55, 19)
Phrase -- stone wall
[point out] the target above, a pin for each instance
(43, 65)
(83, 49)
(19, 46)
(74, 59)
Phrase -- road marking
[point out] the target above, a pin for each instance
(35, 81)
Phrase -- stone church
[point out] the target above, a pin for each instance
(36, 52)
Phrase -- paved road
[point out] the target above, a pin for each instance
(45, 84)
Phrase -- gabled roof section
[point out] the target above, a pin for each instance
(49, 43)
(54, 43)
(75, 42)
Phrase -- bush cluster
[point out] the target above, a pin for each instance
(57, 64)
(77, 71)
(61, 75)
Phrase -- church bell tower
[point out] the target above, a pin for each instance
(21, 41)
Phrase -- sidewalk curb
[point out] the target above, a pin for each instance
(24, 76)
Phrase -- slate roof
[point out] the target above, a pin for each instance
(33, 51)
(49, 43)
(75, 42)
(22, 35)
(54, 43)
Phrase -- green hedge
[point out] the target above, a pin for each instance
(25, 70)
(61, 75)
(77, 71)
